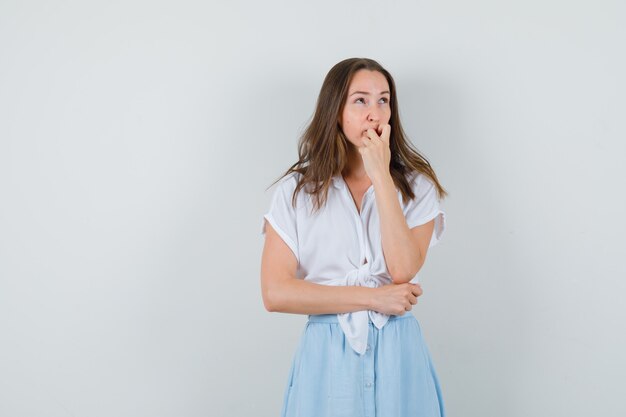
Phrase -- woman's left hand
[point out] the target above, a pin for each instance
(376, 153)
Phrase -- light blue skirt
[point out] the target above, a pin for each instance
(394, 378)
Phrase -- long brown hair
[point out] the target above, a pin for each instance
(322, 148)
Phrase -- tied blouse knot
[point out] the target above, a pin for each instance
(340, 246)
(354, 324)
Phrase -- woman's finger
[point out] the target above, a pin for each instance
(371, 134)
(386, 132)
(417, 290)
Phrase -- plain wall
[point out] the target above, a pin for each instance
(137, 140)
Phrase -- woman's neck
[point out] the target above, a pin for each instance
(354, 169)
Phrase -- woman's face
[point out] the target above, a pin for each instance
(367, 106)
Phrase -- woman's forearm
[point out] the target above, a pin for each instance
(402, 255)
(304, 297)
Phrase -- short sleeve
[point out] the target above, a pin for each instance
(282, 215)
(425, 207)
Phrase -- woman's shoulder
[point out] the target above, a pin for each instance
(287, 185)
(421, 185)
(289, 182)
(418, 180)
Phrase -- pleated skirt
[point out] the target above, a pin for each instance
(394, 378)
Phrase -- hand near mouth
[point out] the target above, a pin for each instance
(376, 153)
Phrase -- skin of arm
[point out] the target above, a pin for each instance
(283, 293)
(404, 249)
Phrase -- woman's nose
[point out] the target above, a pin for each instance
(373, 115)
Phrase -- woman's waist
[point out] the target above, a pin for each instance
(333, 318)
(352, 277)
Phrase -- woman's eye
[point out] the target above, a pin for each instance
(361, 100)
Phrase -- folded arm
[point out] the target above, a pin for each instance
(404, 249)
(283, 292)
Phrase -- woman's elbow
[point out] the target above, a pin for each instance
(401, 279)
(267, 304)
(402, 276)
(276, 295)
(269, 300)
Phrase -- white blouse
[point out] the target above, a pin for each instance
(339, 246)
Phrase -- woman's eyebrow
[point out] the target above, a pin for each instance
(367, 94)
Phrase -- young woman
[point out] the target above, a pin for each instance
(348, 229)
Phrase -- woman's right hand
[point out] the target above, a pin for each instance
(396, 299)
